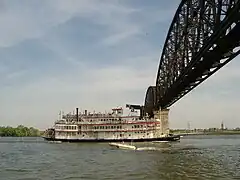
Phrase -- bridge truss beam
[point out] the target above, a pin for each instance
(203, 37)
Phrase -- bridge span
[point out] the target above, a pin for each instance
(203, 37)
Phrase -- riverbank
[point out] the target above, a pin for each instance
(19, 131)
(208, 133)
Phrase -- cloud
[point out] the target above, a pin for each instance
(24, 20)
(94, 89)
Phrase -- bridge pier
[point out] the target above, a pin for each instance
(162, 116)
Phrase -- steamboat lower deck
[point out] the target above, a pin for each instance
(167, 138)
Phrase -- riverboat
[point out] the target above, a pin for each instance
(107, 127)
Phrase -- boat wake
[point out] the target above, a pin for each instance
(131, 147)
(55, 142)
(152, 149)
(147, 149)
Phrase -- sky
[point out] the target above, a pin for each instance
(58, 55)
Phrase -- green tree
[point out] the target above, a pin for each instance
(19, 131)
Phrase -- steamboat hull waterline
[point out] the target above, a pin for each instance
(108, 127)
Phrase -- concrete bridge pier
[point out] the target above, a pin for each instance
(162, 116)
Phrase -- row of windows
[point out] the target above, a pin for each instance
(110, 119)
(96, 127)
(118, 119)
(75, 133)
(66, 127)
(141, 132)
(116, 127)
(137, 126)
(107, 127)
(66, 133)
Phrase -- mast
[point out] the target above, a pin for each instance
(77, 114)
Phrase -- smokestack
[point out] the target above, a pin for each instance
(85, 112)
(77, 113)
(141, 112)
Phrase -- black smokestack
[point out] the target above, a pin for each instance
(77, 113)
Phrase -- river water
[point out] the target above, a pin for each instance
(194, 157)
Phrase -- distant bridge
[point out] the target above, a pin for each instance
(203, 37)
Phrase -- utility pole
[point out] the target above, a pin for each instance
(188, 126)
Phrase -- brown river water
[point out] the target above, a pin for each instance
(194, 157)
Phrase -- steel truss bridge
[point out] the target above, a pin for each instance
(203, 36)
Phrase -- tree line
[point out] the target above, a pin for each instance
(19, 131)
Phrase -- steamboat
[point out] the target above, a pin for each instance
(110, 127)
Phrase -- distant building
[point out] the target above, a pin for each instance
(222, 126)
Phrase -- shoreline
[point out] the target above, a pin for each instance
(208, 133)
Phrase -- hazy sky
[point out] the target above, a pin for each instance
(97, 55)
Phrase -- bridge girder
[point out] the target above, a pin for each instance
(150, 100)
(203, 37)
